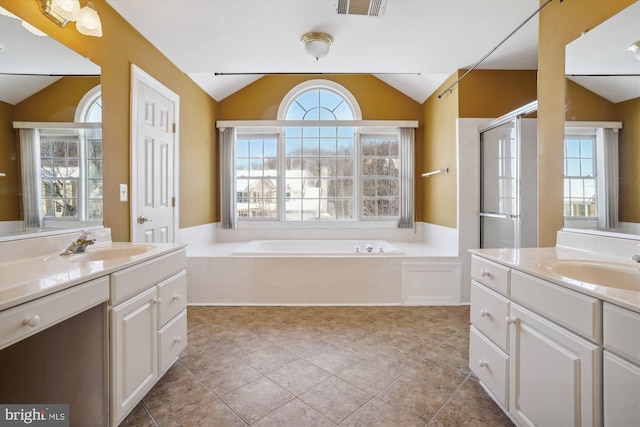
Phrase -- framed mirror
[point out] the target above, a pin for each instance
(602, 127)
(51, 134)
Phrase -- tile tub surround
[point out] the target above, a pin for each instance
(321, 366)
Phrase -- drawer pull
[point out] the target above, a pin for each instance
(511, 320)
(32, 321)
(177, 339)
(484, 313)
(485, 273)
(157, 300)
(177, 297)
(483, 363)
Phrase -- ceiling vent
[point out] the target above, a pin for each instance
(361, 7)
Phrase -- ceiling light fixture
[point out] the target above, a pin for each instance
(317, 45)
(635, 48)
(63, 11)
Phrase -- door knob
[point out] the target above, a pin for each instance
(142, 219)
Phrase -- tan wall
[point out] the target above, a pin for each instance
(438, 196)
(583, 105)
(10, 165)
(57, 102)
(559, 24)
(120, 46)
(629, 149)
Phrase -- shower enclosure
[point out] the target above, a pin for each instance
(508, 181)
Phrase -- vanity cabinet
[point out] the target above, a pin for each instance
(535, 347)
(148, 327)
(621, 366)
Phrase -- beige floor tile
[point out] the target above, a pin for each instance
(229, 376)
(298, 376)
(335, 398)
(139, 417)
(376, 413)
(175, 401)
(268, 359)
(256, 399)
(294, 413)
(212, 414)
(333, 358)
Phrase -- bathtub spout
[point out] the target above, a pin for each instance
(368, 247)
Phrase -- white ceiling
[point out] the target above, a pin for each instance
(414, 46)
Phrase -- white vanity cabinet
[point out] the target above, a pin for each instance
(621, 366)
(148, 327)
(535, 347)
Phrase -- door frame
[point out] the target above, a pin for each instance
(139, 76)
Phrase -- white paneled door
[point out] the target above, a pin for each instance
(155, 112)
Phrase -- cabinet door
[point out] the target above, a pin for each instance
(554, 375)
(134, 357)
(621, 392)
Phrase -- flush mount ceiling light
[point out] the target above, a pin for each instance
(635, 48)
(317, 45)
(63, 11)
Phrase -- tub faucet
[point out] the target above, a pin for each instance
(368, 247)
(80, 245)
(636, 257)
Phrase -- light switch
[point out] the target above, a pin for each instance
(123, 193)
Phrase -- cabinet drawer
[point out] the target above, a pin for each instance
(132, 280)
(490, 365)
(622, 331)
(488, 313)
(47, 311)
(491, 274)
(578, 312)
(173, 297)
(172, 339)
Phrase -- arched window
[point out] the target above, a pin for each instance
(319, 100)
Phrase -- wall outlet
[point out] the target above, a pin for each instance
(123, 193)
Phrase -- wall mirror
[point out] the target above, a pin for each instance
(51, 135)
(602, 127)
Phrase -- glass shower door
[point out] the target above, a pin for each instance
(499, 202)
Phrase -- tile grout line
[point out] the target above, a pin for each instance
(448, 400)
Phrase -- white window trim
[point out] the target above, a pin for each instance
(288, 99)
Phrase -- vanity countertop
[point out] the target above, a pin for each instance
(25, 280)
(539, 262)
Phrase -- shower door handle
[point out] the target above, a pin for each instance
(499, 215)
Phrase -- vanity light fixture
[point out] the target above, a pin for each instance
(63, 11)
(635, 48)
(317, 45)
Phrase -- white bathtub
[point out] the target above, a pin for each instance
(322, 248)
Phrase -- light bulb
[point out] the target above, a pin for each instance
(89, 23)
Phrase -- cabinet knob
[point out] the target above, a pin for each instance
(177, 339)
(484, 313)
(511, 320)
(157, 300)
(485, 273)
(177, 297)
(32, 321)
(482, 363)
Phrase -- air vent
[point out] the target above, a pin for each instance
(361, 7)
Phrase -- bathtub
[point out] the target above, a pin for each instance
(317, 248)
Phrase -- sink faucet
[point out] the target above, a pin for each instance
(79, 245)
(636, 257)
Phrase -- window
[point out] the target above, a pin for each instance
(321, 171)
(580, 196)
(71, 165)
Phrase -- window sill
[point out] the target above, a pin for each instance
(329, 225)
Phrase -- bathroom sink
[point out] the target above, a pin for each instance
(618, 276)
(111, 252)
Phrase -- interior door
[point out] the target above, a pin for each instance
(154, 159)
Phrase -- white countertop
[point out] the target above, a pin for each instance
(28, 279)
(536, 261)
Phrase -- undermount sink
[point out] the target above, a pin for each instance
(107, 253)
(620, 276)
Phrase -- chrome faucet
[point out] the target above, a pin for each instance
(636, 257)
(368, 247)
(80, 245)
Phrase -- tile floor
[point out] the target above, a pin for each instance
(321, 366)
